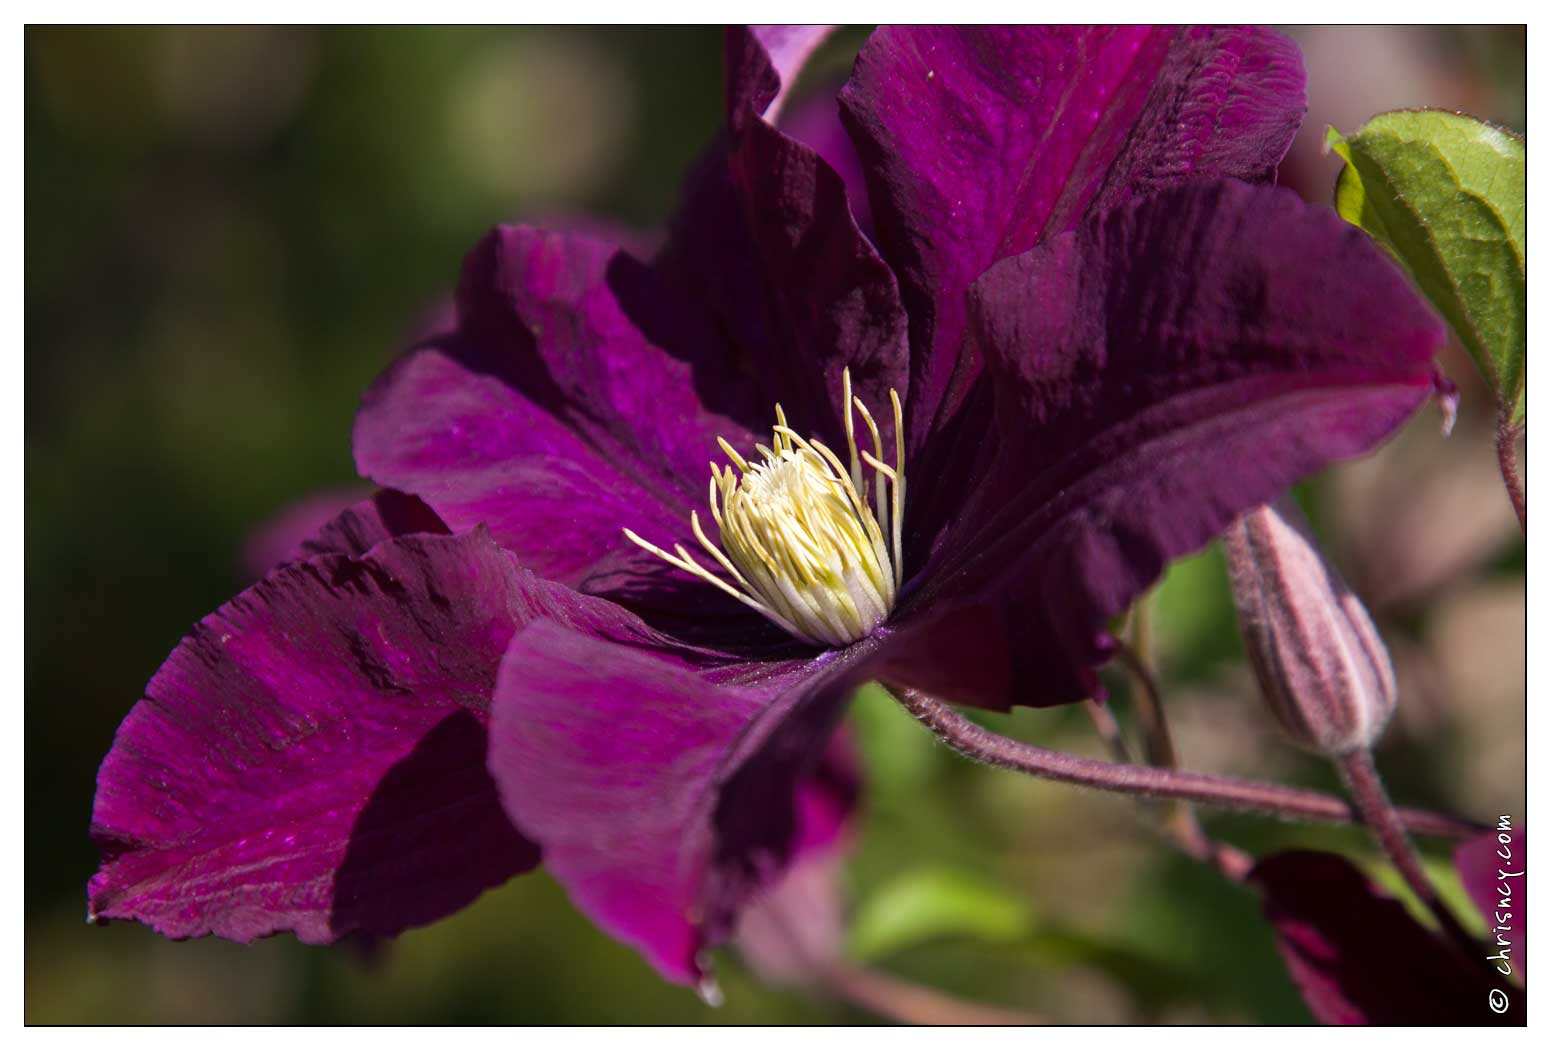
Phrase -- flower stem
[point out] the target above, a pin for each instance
(1507, 438)
(1378, 813)
(976, 742)
(1179, 821)
(1180, 825)
(1159, 743)
(1108, 730)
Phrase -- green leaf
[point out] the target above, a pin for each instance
(1445, 880)
(932, 903)
(1445, 194)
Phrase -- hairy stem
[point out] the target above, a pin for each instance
(1108, 729)
(1379, 814)
(1179, 820)
(1507, 438)
(976, 742)
(1159, 743)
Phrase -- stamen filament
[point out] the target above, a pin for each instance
(800, 540)
(899, 487)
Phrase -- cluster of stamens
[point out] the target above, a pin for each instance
(799, 538)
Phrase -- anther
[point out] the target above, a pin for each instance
(800, 540)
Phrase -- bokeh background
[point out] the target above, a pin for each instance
(228, 231)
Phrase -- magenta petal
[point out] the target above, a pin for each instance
(579, 396)
(979, 142)
(1167, 367)
(666, 797)
(312, 756)
(1492, 868)
(1358, 957)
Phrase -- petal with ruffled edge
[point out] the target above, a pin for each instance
(1171, 365)
(1359, 958)
(667, 796)
(979, 142)
(815, 122)
(578, 396)
(312, 756)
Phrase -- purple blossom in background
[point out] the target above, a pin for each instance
(1108, 335)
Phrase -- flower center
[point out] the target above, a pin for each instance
(799, 538)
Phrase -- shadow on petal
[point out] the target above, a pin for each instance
(432, 837)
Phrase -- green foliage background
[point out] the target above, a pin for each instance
(227, 234)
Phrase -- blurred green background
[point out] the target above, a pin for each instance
(228, 233)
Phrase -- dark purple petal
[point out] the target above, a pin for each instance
(337, 522)
(312, 756)
(766, 236)
(815, 122)
(795, 928)
(666, 797)
(967, 655)
(833, 303)
(827, 798)
(1491, 866)
(980, 142)
(579, 396)
(1357, 955)
(1157, 373)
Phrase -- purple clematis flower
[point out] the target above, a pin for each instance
(1083, 337)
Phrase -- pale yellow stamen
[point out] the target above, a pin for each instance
(803, 544)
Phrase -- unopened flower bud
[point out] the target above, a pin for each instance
(1314, 649)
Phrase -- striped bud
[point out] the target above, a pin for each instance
(1320, 661)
